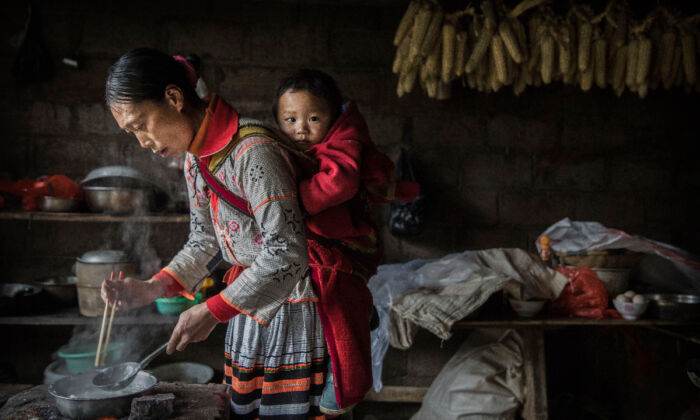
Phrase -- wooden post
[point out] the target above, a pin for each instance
(535, 407)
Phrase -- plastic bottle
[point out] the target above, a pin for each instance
(545, 251)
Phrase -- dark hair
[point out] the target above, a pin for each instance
(316, 82)
(142, 75)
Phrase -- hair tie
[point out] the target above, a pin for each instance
(190, 72)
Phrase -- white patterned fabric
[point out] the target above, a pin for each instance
(272, 244)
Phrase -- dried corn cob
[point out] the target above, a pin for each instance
(489, 14)
(667, 51)
(471, 80)
(643, 59)
(588, 74)
(494, 83)
(689, 64)
(432, 35)
(406, 22)
(510, 42)
(420, 28)
(600, 58)
(409, 79)
(547, 61)
(460, 52)
(432, 62)
(448, 52)
(520, 81)
(521, 36)
(443, 91)
(674, 67)
(655, 70)
(480, 47)
(499, 60)
(618, 80)
(431, 88)
(564, 47)
(571, 75)
(401, 54)
(631, 66)
(643, 89)
(585, 33)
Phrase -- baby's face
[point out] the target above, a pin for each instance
(303, 117)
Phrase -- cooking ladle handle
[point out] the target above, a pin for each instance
(152, 356)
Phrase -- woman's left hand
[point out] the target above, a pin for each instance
(193, 326)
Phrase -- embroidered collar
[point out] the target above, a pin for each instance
(219, 125)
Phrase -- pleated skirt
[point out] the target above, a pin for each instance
(277, 372)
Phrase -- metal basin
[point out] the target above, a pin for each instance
(674, 307)
(119, 200)
(61, 290)
(77, 398)
(55, 204)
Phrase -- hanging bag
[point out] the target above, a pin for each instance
(407, 219)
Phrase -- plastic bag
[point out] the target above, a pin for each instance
(407, 219)
(59, 186)
(483, 380)
(567, 236)
(584, 297)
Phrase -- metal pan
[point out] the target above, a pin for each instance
(77, 398)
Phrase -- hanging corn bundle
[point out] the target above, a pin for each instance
(487, 46)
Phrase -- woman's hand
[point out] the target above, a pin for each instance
(130, 292)
(193, 326)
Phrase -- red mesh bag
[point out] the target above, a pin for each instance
(584, 297)
(56, 185)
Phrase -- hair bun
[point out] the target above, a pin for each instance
(190, 72)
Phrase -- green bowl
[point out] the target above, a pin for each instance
(176, 305)
(81, 358)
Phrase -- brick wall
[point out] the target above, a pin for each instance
(498, 168)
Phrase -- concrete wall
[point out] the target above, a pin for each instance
(497, 169)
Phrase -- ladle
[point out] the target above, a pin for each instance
(120, 375)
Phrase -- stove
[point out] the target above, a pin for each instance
(192, 402)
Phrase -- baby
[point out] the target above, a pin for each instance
(351, 173)
(308, 108)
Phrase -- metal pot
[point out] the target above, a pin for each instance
(77, 398)
(92, 268)
(119, 200)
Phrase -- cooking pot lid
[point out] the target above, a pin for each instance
(102, 256)
(121, 176)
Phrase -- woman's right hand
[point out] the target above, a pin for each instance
(130, 292)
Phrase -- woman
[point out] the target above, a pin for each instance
(244, 210)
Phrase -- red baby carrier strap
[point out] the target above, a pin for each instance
(224, 193)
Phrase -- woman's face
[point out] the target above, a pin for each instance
(303, 117)
(159, 126)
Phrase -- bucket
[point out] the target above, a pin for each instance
(92, 269)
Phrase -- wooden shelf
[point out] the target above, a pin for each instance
(566, 322)
(71, 316)
(93, 217)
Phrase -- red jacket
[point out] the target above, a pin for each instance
(349, 166)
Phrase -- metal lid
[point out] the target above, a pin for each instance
(121, 176)
(104, 256)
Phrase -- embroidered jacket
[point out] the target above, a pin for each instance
(271, 243)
